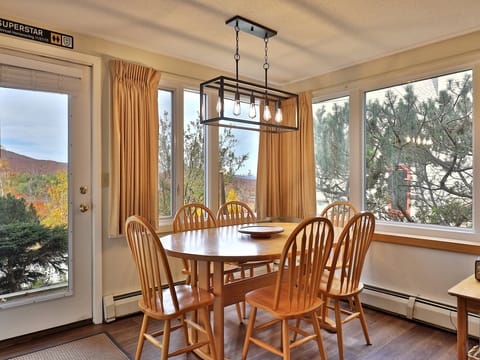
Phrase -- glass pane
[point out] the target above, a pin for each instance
(165, 155)
(194, 149)
(33, 192)
(331, 135)
(238, 156)
(418, 156)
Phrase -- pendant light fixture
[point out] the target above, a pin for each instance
(238, 102)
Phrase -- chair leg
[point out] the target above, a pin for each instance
(239, 312)
(362, 320)
(185, 330)
(141, 338)
(166, 339)
(285, 340)
(205, 314)
(248, 335)
(316, 328)
(338, 325)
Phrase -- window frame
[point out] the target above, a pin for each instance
(463, 240)
(178, 85)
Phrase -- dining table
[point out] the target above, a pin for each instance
(209, 250)
(212, 248)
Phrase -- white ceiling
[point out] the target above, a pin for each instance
(314, 37)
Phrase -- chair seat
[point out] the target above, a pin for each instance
(335, 290)
(189, 298)
(263, 298)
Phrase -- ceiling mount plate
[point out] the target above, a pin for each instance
(251, 27)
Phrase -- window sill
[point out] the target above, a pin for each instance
(461, 246)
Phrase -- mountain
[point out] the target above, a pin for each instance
(18, 163)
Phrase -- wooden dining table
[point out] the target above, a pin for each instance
(219, 246)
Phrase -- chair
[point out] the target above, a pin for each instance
(192, 216)
(339, 212)
(295, 292)
(237, 213)
(168, 304)
(344, 284)
(195, 216)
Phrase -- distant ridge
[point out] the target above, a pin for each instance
(18, 163)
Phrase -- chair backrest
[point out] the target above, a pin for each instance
(303, 262)
(339, 212)
(151, 262)
(235, 213)
(193, 216)
(351, 249)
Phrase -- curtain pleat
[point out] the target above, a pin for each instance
(133, 144)
(286, 168)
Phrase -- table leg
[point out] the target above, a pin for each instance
(201, 275)
(218, 315)
(462, 328)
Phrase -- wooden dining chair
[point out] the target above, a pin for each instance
(161, 299)
(339, 212)
(239, 213)
(344, 284)
(194, 216)
(295, 292)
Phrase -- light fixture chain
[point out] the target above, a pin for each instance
(237, 53)
(266, 65)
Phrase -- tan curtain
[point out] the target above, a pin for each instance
(133, 144)
(286, 168)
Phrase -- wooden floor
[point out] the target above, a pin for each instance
(393, 338)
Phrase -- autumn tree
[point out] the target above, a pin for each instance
(56, 208)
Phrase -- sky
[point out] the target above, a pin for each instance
(34, 124)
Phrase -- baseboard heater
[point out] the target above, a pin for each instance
(417, 308)
(411, 307)
(117, 306)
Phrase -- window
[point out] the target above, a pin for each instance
(331, 136)
(238, 157)
(165, 153)
(193, 149)
(34, 192)
(183, 149)
(418, 151)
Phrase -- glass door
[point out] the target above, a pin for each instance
(45, 194)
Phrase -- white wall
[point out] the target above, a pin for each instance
(417, 272)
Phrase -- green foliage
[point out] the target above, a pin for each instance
(428, 138)
(13, 210)
(28, 248)
(165, 165)
(332, 152)
(230, 163)
(194, 161)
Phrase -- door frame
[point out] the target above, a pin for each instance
(94, 63)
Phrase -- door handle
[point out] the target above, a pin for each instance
(84, 208)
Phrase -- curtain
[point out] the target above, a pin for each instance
(133, 144)
(286, 167)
